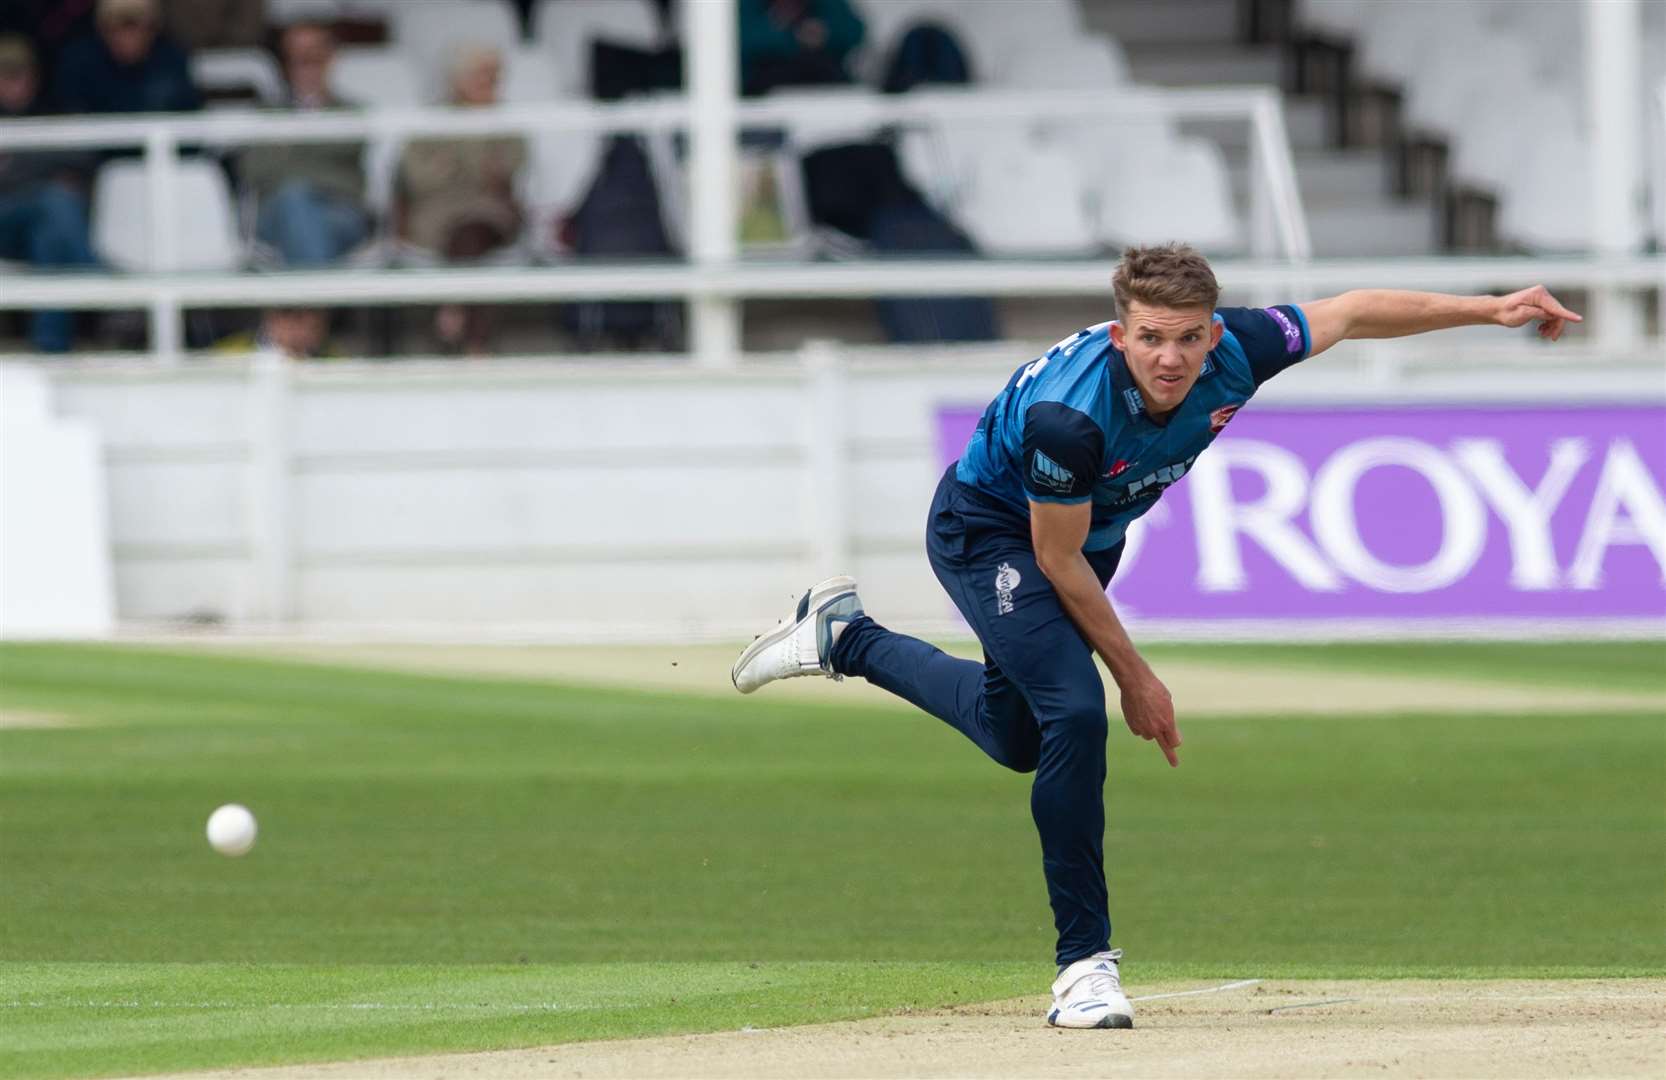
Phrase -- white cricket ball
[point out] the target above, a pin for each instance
(231, 830)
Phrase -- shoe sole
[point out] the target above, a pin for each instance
(1109, 1020)
(820, 593)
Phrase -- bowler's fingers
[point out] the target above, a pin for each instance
(1168, 752)
(1553, 307)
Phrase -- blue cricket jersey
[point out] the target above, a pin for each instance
(1072, 427)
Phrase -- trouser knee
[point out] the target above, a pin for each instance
(1021, 755)
(1084, 727)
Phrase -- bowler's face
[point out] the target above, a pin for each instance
(1165, 348)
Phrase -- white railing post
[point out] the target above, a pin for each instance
(269, 479)
(1283, 215)
(826, 460)
(167, 330)
(713, 85)
(1613, 102)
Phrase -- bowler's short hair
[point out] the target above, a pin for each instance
(1164, 275)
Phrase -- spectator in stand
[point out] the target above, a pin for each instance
(457, 194)
(311, 196)
(126, 65)
(217, 24)
(796, 42)
(293, 333)
(49, 25)
(43, 216)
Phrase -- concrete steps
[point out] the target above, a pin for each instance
(1346, 193)
(1327, 178)
(1206, 64)
(1373, 228)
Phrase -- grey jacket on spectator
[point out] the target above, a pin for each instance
(335, 168)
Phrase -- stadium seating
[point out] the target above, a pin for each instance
(280, 12)
(564, 29)
(1466, 70)
(207, 230)
(430, 32)
(375, 76)
(244, 72)
(1088, 62)
(1023, 196)
(529, 76)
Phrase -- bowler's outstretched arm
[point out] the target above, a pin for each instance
(1389, 313)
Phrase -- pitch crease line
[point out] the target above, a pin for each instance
(1240, 984)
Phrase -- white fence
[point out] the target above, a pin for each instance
(712, 281)
(590, 500)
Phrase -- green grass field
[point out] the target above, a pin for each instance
(452, 863)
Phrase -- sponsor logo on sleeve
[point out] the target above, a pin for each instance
(1118, 467)
(1292, 332)
(1006, 581)
(1221, 417)
(1049, 474)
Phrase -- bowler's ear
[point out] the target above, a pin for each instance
(1118, 336)
(1216, 329)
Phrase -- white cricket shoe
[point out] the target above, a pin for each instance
(802, 644)
(1088, 994)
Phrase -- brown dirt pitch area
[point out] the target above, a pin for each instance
(1275, 1028)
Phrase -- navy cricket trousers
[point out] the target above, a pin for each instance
(1036, 703)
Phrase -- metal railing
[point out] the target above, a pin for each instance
(1277, 235)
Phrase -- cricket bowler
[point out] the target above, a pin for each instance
(1025, 532)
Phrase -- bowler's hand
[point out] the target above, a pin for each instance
(1521, 308)
(1149, 711)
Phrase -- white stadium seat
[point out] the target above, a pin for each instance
(431, 32)
(1546, 187)
(528, 76)
(375, 76)
(560, 171)
(1014, 195)
(1089, 62)
(283, 12)
(207, 227)
(1026, 204)
(1172, 190)
(564, 29)
(227, 70)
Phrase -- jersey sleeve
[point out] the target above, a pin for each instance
(1062, 451)
(1273, 338)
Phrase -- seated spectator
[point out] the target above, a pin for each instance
(293, 333)
(217, 24)
(457, 194)
(43, 215)
(311, 195)
(796, 42)
(126, 65)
